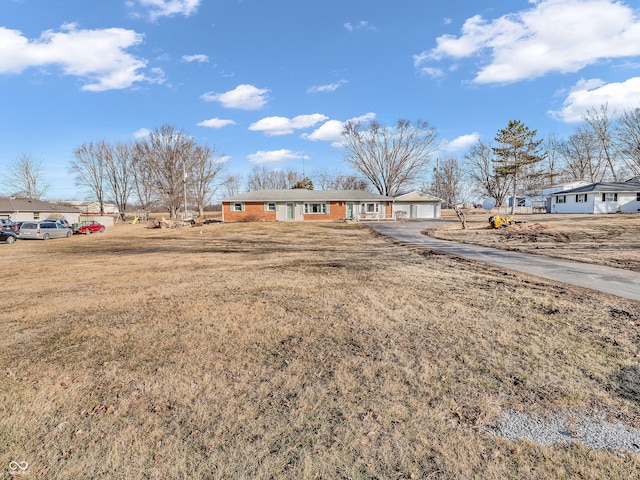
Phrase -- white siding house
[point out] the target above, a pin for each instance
(416, 205)
(602, 197)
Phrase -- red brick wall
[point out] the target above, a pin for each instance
(337, 211)
(253, 212)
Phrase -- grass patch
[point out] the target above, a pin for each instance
(280, 350)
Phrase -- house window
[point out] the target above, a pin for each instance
(609, 197)
(237, 207)
(370, 208)
(315, 208)
(637, 197)
(581, 198)
(561, 199)
(270, 207)
(36, 215)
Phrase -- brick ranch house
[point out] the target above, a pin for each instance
(303, 205)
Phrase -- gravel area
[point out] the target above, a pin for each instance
(593, 431)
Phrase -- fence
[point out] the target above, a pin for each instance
(374, 217)
(106, 220)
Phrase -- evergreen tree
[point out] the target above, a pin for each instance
(517, 154)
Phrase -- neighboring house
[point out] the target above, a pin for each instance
(415, 205)
(26, 209)
(300, 204)
(601, 197)
(559, 187)
(542, 198)
(93, 208)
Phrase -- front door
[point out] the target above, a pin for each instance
(349, 210)
(290, 211)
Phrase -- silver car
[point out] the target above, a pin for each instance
(43, 231)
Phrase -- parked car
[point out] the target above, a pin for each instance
(12, 226)
(7, 236)
(89, 227)
(62, 221)
(4, 222)
(43, 230)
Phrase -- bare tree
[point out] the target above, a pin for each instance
(390, 158)
(483, 175)
(167, 153)
(515, 155)
(204, 170)
(552, 164)
(339, 181)
(118, 169)
(449, 183)
(628, 139)
(88, 168)
(232, 184)
(582, 157)
(262, 178)
(600, 123)
(23, 177)
(142, 184)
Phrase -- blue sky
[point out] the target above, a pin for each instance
(271, 82)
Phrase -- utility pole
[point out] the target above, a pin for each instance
(184, 184)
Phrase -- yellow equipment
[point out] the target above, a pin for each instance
(497, 221)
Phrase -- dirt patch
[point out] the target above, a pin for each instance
(611, 240)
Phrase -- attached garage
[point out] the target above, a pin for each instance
(416, 205)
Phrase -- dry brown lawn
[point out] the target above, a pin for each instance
(290, 351)
(612, 240)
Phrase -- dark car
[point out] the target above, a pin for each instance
(4, 222)
(7, 236)
(13, 226)
(90, 227)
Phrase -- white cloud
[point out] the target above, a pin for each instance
(432, 72)
(331, 87)
(97, 56)
(195, 58)
(215, 123)
(276, 156)
(552, 36)
(587, 94)
(361, 25)
(243, 97)
(141, 133)
(463, 142)
(166, 8)
(331, 131)
(273, 126)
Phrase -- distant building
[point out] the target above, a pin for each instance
(93, 208)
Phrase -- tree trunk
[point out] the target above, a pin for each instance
(462, 216)
(515, 192)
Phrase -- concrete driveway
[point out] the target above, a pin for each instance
(622, 283)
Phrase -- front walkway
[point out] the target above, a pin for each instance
(614, 281)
